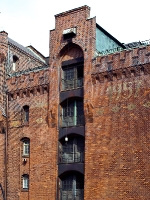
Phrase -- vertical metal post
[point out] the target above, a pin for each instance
(75, 113)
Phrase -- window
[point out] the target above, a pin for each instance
(72, 113)
(25, 181)
(72, 77)
(72, 186)
(25, 114)
(25, 147)
(71, 151)
(15, 61)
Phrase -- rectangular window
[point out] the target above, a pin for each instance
(25, 182)
(72, 77)
(25, 114)
(26, 148)
(72, 113)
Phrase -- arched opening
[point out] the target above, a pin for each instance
(72, 67)
(71, 149)
(72, 76)
(25, 147)
(72, 186)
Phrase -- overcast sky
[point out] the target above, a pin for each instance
(28, 21)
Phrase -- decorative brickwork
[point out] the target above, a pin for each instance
(77, 128)
(117, 141)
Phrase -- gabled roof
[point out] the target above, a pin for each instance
(25, 50)
(110, 36)
(35, 51)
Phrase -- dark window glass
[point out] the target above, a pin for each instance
(69, 74)
(26, 113)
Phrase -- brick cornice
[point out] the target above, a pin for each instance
(118, 74)
(28, 92)
(73, 11)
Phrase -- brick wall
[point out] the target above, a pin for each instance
(4, 42)
(33, 90)
(29, 87)
(116, 108)
(117, 128)
(2, 155)
(3, 46)
(39, 162)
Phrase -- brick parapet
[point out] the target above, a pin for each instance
(126, 58)
(85, 9)
(126, 72)
(28, 81)
(3, 42)
(86, 40)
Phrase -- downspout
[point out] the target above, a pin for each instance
(6, 133)
(1, 188)
(6, 143)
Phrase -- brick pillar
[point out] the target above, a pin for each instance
(3, 56)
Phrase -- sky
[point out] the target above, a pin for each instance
(28, 22)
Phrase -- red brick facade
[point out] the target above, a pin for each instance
(77, 127)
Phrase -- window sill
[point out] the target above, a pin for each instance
(25, 124)
(25, 156)
(24, 190)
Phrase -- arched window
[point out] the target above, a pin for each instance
(25, 181)
(71, 151)
(72, 186)
(25, 114)
(25, 146)
(15, 60)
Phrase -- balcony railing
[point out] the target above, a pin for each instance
(67, 121)
(72, 84)
(77, 194)
(66, 157)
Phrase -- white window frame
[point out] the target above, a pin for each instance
(25, 181)
(14, 66)
(26, 148)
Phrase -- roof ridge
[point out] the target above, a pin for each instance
(25, 49)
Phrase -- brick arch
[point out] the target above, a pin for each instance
(24, 139)
(71, 51)
(71, 169)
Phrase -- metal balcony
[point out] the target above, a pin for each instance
(66, 157)
(68, 121)
(71, 84)
(74, 194)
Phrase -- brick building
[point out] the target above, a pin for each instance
(75, 125)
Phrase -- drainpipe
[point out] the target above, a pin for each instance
(6, 138)
(1, 188)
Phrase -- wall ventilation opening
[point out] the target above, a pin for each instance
(69, 33)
